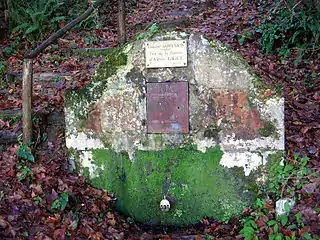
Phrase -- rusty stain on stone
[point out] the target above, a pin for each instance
(167, 107)
(243, 120)
(94, 119)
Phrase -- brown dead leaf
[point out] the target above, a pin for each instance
(42, 236)
(59, 234)
(54, 219)
(95, 209)
(73, 225)
(112, 222)
(105, 196)
(3, 124)
(85, 229)
(96, 236)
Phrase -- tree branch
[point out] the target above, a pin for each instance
(63, 30)
(28, 69)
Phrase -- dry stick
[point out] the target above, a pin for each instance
(292, 9)
(27, 100)
(27, 71)
(64, 30)
(121, 21)
(290, 177)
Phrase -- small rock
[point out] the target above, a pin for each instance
(44, 237)
(3, 223)
(112, 230)
(310, 187)
(12, 218)
(280, 209)
(146, 236)
(126, 226)
(309, 215)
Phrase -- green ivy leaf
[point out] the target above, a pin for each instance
(64, 200)
(307, 236)
(56, 204)
(298, 217)
(61, 202)
(248, 233)
(24, 173)
(272, 222)
(284, 220)
(241, 40)
(140, 36)
(313, 75)
(25, 153)
(287, 207)
(288, 168)
(292, 226)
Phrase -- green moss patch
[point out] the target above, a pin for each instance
(194, 182)
(269, 129)
(114, 59)
(212, 131)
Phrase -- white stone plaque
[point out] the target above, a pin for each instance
(171, 53)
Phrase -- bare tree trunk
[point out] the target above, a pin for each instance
(122, 27)
(27, 100)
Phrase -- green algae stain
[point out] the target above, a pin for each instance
(269, 129)
(194, 182)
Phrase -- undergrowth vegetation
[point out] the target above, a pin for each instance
(291, 27)
(35, 18)
(286, 180)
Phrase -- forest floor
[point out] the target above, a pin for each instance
(41, 200)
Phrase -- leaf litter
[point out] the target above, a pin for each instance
(27, 209)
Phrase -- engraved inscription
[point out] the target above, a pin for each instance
(171, 53)
(167, 107)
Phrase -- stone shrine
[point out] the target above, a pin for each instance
(176, 118)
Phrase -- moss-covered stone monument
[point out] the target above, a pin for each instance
(177, 117)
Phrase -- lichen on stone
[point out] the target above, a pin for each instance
(78, 101)
(234, 58)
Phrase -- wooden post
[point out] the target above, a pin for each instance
(121, 22)
(27, 100)
(28, 68)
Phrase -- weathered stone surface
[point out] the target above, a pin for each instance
(280, 205)
(213, 170)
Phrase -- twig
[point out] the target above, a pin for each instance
(296, 178)
(285, 184)
(292, 9)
